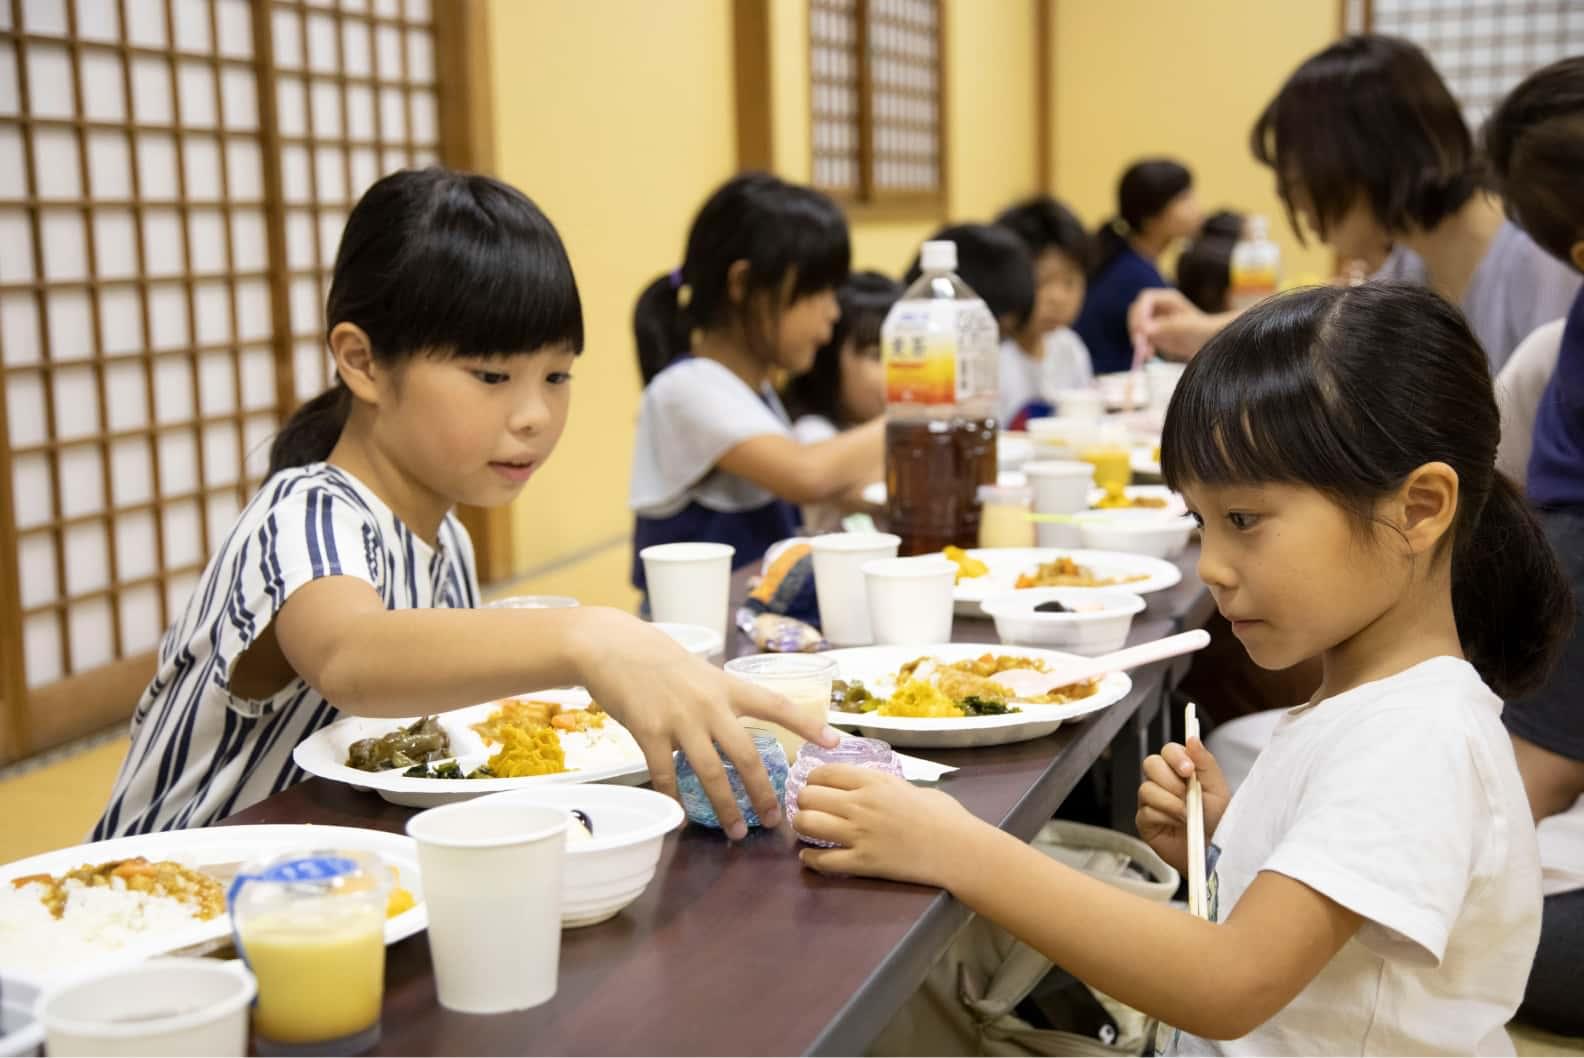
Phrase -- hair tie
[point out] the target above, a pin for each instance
(676, 279)
(1121, 227)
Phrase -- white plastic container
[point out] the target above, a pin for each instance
(1138, 532)
(689, 583)
(910, 599)
(1099, 622)
(613, 867)
(161, 1007)
(839, 561)
(1060, 487)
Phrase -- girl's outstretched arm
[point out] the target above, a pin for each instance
(1216, 981)
(813, 473)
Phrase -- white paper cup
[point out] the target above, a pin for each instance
(1060, 487)
(839, 560)
(492, 883)
(167, 1006)
(910, 599)
(689, 584)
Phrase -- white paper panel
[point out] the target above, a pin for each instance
(365, 170)
(49, 81)
(44, 17)
(393, 115)
(37, 559)
(424, 156)
(330, 171)
(288, 40)
(10, 100)
(258, 379)
(216, 383)
(248, 240)
(394, 158)
(192, 25)
(196, 95)
(236, 28)
(222, 460)
(321, 34)
(213, 305)
(115, 243)
(326, 100)
(162, 243)
(121, 320)
(425, 118)
(42, 647)
(206, 241)
(82, 481)
(223, 509)
(179, 592)
(151, 91)
(99, 20)
(109, 167)
(13, 174)
(126, 394)
(331, 221)
(239, 96)
(30, 485)
(183, 544)
(168, 317)
(418, 10)
(388, 52)
(146, 23)
(253, 310)
(300, 246)
(131, 480)
(290, 104)
(311, 371)
(16, 264)
(104, 91)
(65, 245)
(296, 180)
(76, 402)
(360, 112)
(55, 167)
(25, 409)
(19, 329)
(173, 396)
(70, 315)
(388, 8)
(156, 155)
(243, 167)
(356, 45)
(92, 635)
(354, 5)
(87, 558)
(420, 57)
(141, 627)
(135, 545)
(257, 434)
(305, 306)
(201, 158)
(178, 468)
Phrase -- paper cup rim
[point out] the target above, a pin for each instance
(686, 551)
(1058, 468)
(421, 826)
(912, 567)
(247, 989)
(842, 542)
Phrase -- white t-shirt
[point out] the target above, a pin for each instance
(1063, 364)
(694, 412)
(812, 429)
(1518, 390)
(1400, 800)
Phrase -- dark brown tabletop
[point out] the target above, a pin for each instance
(735, 949)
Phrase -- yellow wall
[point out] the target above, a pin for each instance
(617, 118)
(1137, 77)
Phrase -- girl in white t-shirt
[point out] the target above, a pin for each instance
(1375, 884)
(715, 457)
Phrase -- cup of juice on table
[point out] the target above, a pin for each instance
(312, 929)
(1111, 458)
(803, 679)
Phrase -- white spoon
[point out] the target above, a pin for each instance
(1027, 683)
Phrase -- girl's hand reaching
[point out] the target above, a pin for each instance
(1162, 818)
(669, 699)
(887, 827)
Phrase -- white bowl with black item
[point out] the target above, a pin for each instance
(1078, 620)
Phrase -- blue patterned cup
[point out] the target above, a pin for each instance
(697, 803)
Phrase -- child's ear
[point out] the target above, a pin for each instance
(1428, 506)
(354, 360)
(1577, 254)
(737, 282)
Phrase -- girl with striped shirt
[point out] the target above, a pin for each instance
(347, 585)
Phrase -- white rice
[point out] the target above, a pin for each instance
(98, 921)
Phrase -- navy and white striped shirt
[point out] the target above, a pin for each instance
(199, 752)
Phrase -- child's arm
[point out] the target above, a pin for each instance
(1216, 981)
(813, 473)
(337, 635)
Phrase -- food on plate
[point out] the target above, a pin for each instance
(527, 750)
(968, 567)
(418, 743)
(527, 712)
(929, 687)
(198, 892)
(1117, 498)
(1065, 573)
(448, 769)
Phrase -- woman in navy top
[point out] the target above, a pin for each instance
(1155, 207)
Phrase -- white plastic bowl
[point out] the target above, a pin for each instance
(20, 1032)
(165, 1006)
(1099, 623)
(1138, 532)
(611, 870)
(695, 639)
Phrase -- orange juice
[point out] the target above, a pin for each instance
(1113, 465)
(317, 980)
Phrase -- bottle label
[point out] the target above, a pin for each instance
(921, 354)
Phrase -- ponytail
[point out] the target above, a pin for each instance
(312, 431)
(1109, 242)
(1513, 604)
(660, 326)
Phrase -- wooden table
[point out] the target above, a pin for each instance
(735, 949)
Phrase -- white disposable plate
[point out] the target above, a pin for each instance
(1008, 563)
(607, 754)
(877, 668)
(1174, 502)
(213, 845)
